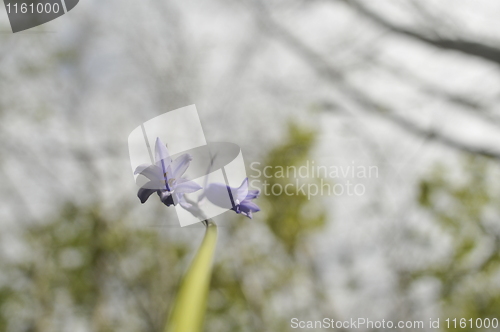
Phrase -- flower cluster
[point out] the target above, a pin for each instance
(165, 178)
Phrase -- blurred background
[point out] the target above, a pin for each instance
(411, 87)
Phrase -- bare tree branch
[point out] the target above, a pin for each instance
(475, 107)
(324, 69)
(468, 47)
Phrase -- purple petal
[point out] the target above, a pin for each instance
(180, 165)
(248, 206)
(144, 194)
(155, 185)
(152, 172)
(162, 157)
(241, 192)
(252, 194)
(186, 187)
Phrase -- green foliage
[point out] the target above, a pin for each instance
(292, 217)
(95, 266)
(463, 206)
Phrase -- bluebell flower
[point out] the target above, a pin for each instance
(241, 197)
(165, 178)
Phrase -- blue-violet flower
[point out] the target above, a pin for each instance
(165, 178)
(241, 197)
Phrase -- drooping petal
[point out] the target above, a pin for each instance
(185, 187)
(180, 165)
(218, 194)
(144, 194)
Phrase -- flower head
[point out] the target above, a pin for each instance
(165, 177)
(241, 197)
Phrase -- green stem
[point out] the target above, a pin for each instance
(189, 308)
